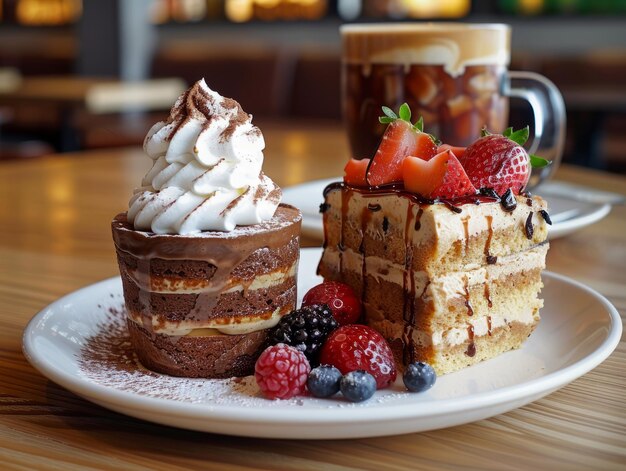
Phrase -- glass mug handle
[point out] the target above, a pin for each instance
(549, 115)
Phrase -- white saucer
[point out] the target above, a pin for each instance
(568, 215)
(80, 343)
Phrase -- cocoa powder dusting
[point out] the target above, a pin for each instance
(240, 118)
(107, 358)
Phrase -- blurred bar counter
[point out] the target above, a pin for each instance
(291, 70)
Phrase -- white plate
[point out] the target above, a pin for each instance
(567, 215)
(579, 330)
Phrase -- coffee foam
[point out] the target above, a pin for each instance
(452, 45)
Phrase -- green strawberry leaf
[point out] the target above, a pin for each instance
(389, 113)
(405, 112)
(519, 137)
(419, 125)
(507, 132)
(386, 120)
(539, 162)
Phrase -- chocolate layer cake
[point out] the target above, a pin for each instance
(448, 283)
(200, 305)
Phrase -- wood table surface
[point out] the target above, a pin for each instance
(55, 238)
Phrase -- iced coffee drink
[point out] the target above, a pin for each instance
(450, 74)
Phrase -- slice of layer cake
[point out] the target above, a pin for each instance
(442, 243)
(450, 285)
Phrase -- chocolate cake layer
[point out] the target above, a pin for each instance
(219, 356)
(179, 289)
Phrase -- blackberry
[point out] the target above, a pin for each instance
(306, 329)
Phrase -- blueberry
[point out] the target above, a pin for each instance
(358, 386)
(324, 381)
(418, 377)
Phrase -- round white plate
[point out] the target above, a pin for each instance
(80, 342)
(568, 215)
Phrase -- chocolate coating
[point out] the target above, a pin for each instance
(173, 279)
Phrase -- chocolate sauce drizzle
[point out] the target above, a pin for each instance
(408, 281)
(545, 216)
(487, 294)
(466, 293)
(489, 237)
(453, 204)
(471, 348)
(528, 227)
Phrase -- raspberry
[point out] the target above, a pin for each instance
(340, 298)
(281, 372)
(306, 329)
(358, 347)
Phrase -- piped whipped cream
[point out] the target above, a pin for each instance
(206, 174)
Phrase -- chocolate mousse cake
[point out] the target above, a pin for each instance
(207, 254)
(449, 284)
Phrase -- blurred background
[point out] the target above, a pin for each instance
(87, 74)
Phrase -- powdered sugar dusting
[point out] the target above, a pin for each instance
(107, 358)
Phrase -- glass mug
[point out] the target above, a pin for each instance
(454, 75)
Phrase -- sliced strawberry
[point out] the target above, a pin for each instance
(495, 161)
(422, 176)
(354, 172)
(401, 138)
(440, 177)
(458, 151)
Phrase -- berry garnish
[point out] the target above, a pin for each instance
(440, 177)
(339, 297)
(401, 138)
(358, 347)
(305, 329)
(358, 386)
(500, 162)
(458, 151)
(324, 381)
(281, 372)
(419, 377)
(354, 172)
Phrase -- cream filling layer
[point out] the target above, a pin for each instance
(237, 326)
(177, 286)
(437, 222)
(447, 286)
(455, 336)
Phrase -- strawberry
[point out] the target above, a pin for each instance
(458, 151)
(358, 347)
(401, 138)
(354, 172)
(440, 177)
(500, 162)
(343, 302)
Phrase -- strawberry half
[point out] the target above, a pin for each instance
(401, 138)
(440, 177)
(354, 172)
(500, 162)
(458, 151)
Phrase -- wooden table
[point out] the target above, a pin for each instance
(55, 238)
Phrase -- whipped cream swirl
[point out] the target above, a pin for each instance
(206, 173)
